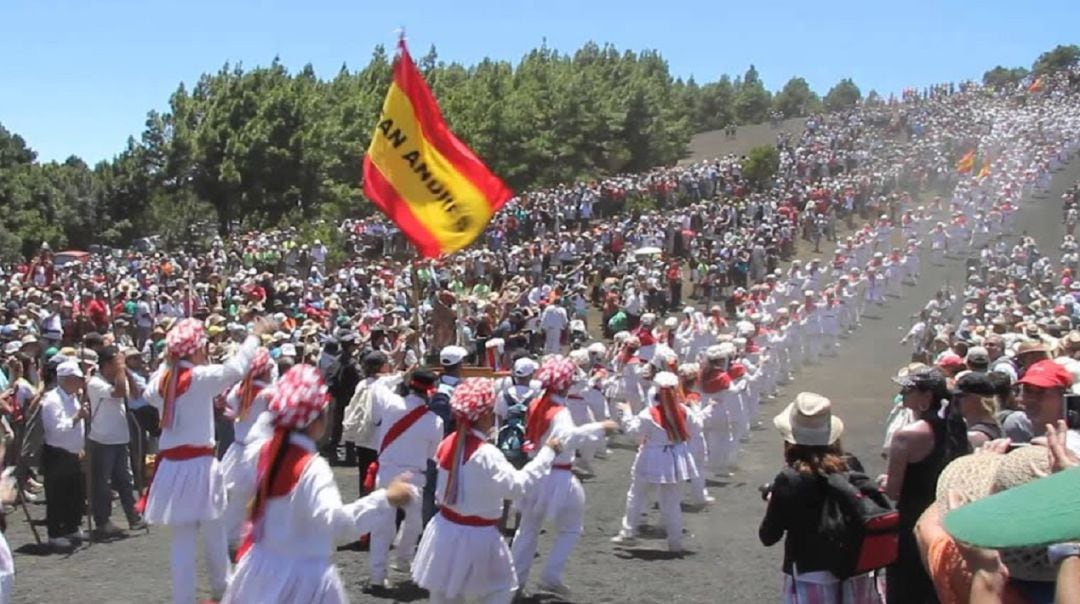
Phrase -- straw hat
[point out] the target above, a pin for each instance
(808, 420)
(980, 475)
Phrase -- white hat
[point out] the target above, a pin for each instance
(69, 369)
(671, 322)
(648, 318)
(808, 420)
(12, 347)
(288, 350)
(452, 355)
(666, 379)
(524, 367)
(597, 348)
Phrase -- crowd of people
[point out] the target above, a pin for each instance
(212, 391)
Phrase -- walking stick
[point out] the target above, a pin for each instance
(21, 502)
(87, 467)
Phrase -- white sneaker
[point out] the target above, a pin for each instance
(402, 566)
(28, 497)
(624, 539)
(79, 535)
(553, 587)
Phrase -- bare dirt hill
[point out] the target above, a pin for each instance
(715, 143)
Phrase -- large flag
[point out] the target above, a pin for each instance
(966, 163)
(421, 176)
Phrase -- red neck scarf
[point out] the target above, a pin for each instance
(671, 416)
(294, 460)
(538, 420)
(646, 337)
(176, 380)
(715, 381)
(453, 452)
(249, 389)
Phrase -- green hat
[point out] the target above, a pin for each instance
(1038, 513)
(51, 351)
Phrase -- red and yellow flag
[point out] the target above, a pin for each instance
(966, 163)
(1037, 85)
(422, 176)
(985, 171)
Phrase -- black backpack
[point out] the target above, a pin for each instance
(859, 528)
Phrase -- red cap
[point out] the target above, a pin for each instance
(1047, 374)
(950, 360)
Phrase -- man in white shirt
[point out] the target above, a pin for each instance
(408, 435)
(62, 424)
(553, 321)
(110, 465)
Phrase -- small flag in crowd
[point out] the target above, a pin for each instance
(422, 176)
(984, 171)
(966, 163)
(1037, 85)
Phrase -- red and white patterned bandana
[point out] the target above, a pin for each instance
(472, 399)
(185, 338)
(298, 398)
(556, 373)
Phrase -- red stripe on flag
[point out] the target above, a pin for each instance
(435, 130)
(382, 193)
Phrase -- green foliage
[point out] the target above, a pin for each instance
(760, 164)
(752, 101)
(1061, 57)
(796, 99)
(256, 148)
(844, 95)
(1003, 77)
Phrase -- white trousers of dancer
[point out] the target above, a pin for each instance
(813, 347)
(569, 522)
(215, 553)
(408, 534)
(939, 255)
(670, 499)
(698, 449)
(497, 597)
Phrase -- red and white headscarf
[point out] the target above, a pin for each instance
(668, 412)
(555, 375)
(182, 341)
(472, 399)
(298, 398)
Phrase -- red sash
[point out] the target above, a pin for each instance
(286, 479)
(464, 520)
(395, 431)
(715, 382)
(173, 386)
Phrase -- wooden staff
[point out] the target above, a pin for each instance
(88, 476)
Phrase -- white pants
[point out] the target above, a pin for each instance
(552, 340)
(723, 449)
(496, 597)
(215, 555)
(670, 496)
(569, 523)
(382, 536)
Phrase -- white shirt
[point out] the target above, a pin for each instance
(487, 478)
(58, 410)
(414, 447)
(312, 519)
(193, 420)
(108, 417)
(259, 404)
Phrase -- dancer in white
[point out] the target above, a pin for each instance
(187, 492)
(558, 497)
(663, 458)
(245, 403)
(297, 516)
(462, 556)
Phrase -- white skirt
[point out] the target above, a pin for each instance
(463, 561)
(233, 455)
(184, 492)
(267, 577)
(668, 464)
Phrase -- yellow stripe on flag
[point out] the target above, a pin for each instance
(441, 198)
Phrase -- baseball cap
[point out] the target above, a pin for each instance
(12, 347)
(452, 355)
(1047, 507)
(977, 355)
(974, 382)
(524, 367)
(69, 369)
(1047, 374)
(927, 378)
(950, 360)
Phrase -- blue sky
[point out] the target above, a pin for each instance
(78, 76)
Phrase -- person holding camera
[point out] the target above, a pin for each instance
(812, 450)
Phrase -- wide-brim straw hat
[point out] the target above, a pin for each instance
(809, 421)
